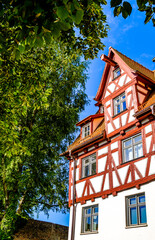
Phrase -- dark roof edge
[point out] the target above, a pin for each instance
(143, 75)
(145, 110)
(84, 143)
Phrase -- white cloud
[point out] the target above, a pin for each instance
(127, 27)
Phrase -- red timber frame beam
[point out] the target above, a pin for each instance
(114, 191)
(108, 60)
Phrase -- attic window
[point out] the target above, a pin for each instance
(101, 109)
(117, 72)
(86, 130)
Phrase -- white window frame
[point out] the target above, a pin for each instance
(132, 145)
(120, 103)
(137, 205)
(115, 72)
(91, 215)
(87, 162)
(86, 130)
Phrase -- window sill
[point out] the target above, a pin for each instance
(88, 176)
(116, 78)
(136, 226)
(86, 233)
(132, 160)
(119, 113)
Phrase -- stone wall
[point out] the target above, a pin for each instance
(39, 230)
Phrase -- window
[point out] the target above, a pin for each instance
(89, 165)
(101, 109)
(119, 103)
(86, 130)
(117, 72)
(136, 210)
(90, 219)
(132, 148)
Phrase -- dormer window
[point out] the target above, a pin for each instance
(86, 130)
(117, 72)
(101, 109)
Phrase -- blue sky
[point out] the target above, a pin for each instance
(134, 39)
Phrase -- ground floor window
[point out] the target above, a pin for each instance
(90, 219)
(136, 210)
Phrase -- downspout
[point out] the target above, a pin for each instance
(73, 198)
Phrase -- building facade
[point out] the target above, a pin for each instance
(112, 162)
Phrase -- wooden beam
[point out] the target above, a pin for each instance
(108, 60)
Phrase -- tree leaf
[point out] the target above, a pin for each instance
(56, 30)
(117, 11)
(62, 12)
(124, 13)
(17, 54)
(115, 3)
(47, 38)
(141, 4)
(65, 26)
(147, 18)
(76, 5)
(127, 7)
(79, 16)
(39, 41)
(21, 48)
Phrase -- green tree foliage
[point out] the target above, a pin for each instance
(80, 23)
(124, 7)
(41, 95)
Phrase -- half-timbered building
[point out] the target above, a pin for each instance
(112, 161)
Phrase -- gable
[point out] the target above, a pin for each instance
(130, 71)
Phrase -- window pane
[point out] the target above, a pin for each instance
(128, 154)
(118, 110)
(137, 138)
(123, 97)
(141, 199)
(133, 215)
(88, 211)
(132, 200)
(142, 210)
(127, 143)
(117, 72)
(87, 171)
(93, 158)
(138, 150)
(94, 168)
(95, 209)
(95, 223)
(87, 224)
(86, 161)
(124, 105)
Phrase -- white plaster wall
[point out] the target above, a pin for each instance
(148, 143)
(110, 128)
(121, 81)
(112, 87)
(70, 223)
(112, 217)
(128, 80)
(101, 164)
(102, 151)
